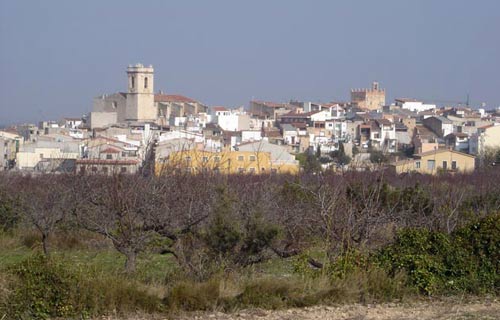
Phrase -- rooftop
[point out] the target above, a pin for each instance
(173, 98)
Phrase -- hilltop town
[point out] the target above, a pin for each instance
(155, 132)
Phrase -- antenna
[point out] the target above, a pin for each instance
(467, 101)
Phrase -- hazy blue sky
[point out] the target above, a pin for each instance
(55, 56)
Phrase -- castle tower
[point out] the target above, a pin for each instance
(140, 96)
(370, 99)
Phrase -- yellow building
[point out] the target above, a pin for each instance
(435, 161)
(228, 162)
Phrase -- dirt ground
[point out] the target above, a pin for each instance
(485, 309)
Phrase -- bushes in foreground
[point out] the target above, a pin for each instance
(467, 260)
(48, 287)
(381, 238)
(418, 261)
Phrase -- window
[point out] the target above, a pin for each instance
(252, 158)
(216, 170)
(216, 159)
(124, 154)
(123, 169)
(146, 83)
(109, 156)
(205, 159)
(105, 169)
(431, 164)
(132, 82)
(274, 171)
(204, 170)
(241, 158)
(188, 170)
(94, 169)
(417, 164)
(251, 170)
(445, 165)
(188, 159)
(115, 104)
(454, 165)
(241, 170)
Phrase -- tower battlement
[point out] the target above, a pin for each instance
(370, 98)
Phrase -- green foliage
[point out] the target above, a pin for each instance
(47, 288)
(237, 242)
(413, 199)
(378, 157)
(309, 162)
(347, 263)
(258, 236)
(466, 260)
(302, 267)
(8, 216)
(339, 155)
(222, 234)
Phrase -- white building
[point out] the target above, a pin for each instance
(234, 121)
(414, 105)
(251, 135)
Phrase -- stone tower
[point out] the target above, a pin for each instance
(370, 99)
(140, 94)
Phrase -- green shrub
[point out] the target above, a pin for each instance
(52, 288)
(347, 263)
(467, 260)
(477, 265)
(8, 216)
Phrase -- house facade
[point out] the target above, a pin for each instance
(433, 162)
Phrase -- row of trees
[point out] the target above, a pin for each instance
(238, 220)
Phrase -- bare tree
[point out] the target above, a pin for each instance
(119, 208)
(45, 201)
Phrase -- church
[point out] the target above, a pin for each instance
(140, 103)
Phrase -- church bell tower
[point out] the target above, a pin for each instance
(140, 94)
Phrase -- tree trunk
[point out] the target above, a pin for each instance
(45, 244)
(130, 262)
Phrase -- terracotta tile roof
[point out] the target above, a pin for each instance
(270, 104)
(109, 162)
(219, 108)
(110, 150)
(173, 98)
(383, 122)
(299, 125)
(424, 132)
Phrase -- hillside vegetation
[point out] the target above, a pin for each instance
(84, 246)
